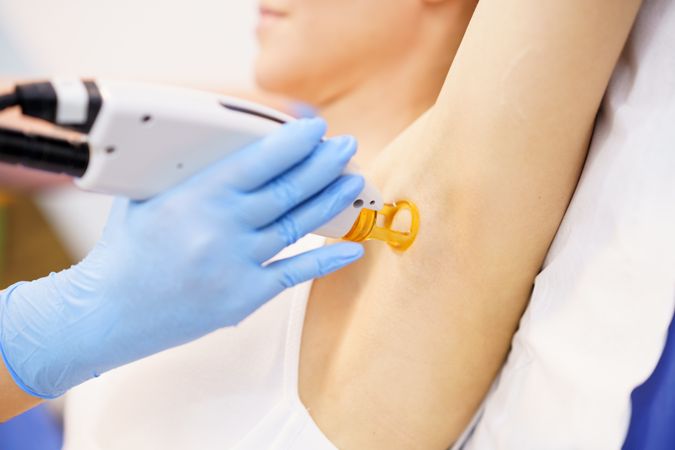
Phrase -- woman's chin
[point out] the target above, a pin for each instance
(279, 81)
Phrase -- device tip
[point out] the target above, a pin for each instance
(366, 227)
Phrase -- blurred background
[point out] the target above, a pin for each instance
(45, 224)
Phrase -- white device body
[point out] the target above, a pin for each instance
(147, 138)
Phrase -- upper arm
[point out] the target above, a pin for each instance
(492, 167)
(519, 103)
(510, 130)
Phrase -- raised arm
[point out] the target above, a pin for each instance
(415, 340)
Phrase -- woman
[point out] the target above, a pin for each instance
(398, 351)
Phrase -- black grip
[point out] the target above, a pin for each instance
(38, 100)
(44, 153)
(41, 101)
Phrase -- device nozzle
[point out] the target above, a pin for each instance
(366, 226)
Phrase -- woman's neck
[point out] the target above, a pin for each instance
(373, 116)
(379, 109)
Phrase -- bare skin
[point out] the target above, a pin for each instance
(399, 350)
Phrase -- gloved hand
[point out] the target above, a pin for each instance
(180, 265)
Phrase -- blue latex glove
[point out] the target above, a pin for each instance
(185, 263)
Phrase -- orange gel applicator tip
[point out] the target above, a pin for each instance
(365, 228)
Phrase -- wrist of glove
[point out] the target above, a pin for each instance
(183, 264)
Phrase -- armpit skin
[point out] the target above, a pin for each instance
(409, 343)
(400, 349)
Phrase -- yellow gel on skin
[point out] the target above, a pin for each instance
(365, 227)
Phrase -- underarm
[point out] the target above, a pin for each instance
(409, 343)
(399, 350)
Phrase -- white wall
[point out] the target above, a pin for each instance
(198, 42)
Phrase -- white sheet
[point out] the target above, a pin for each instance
(601, 307)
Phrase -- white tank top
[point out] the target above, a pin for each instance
(233, 389)
(600, 310)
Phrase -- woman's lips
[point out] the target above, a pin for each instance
(266, 11)
(268, 17)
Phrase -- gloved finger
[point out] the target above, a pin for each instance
(307, 217)
(257, 164)
(289, 272)
(301, 109)
(324, 166)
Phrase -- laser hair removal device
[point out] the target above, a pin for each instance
(141, 139)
